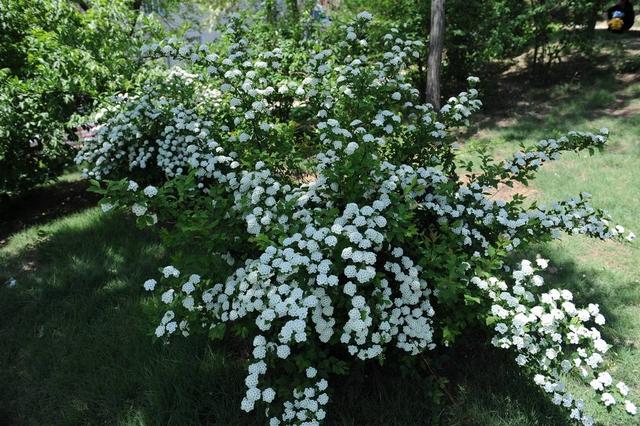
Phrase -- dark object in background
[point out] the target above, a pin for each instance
(622, 10)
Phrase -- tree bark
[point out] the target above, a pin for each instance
(82, 5)
(436, 44)
(295, 11)
(135, 7)
(594, 15)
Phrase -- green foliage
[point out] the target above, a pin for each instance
(479, 33)
(56, 57)
(94, 290)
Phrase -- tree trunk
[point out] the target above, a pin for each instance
(82, 5)
(594, 15)
(135, 7)
(436, 44)
(294, 10)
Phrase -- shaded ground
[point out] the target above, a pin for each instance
(515, 86)
(42, 205)
(77, 348)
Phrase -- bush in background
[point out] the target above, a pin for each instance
(56, 58)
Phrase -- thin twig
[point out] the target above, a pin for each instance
(433, 373)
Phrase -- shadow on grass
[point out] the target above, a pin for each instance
(485, 388)
(77, 349)
(590, 285)
(76, 337)
(554, 112)
(42, 205)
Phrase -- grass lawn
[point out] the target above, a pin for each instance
(76, 343)
(602, 272)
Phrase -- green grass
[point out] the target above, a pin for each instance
(76, 343)
(604, 272)
(76, 334)
(77, 348)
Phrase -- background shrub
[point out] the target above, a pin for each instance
(56, 58)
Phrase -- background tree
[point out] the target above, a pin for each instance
(436, 44)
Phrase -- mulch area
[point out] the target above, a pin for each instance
(42, 205)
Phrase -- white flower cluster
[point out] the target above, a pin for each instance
(478, 216)
(552, 337)
(163, 129)
(306, 407)
(181, 141)
(293, 291)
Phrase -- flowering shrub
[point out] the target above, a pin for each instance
(375, 249)
(552, 337)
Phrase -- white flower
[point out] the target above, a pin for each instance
(501, 328)
(247, 404)
(542, 263)
(188, 287)
(349, 289)
(160, 331)
(323, 399)
(150, 191)
(351, 148)
(630, 407)
(311, 372)
(601, 346)
(283, 351)
(189, 303)
(596, 385)
(608, 399)
(358, 302)
(138, 209)
(167, 296)
(149, 285)
(622, 388)
(253, 394)
(268, 395)
(259, 352)
(106, 207)
(168, 271)
(331, 241)
(321, 414)
(605, 379)
(133, 186)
